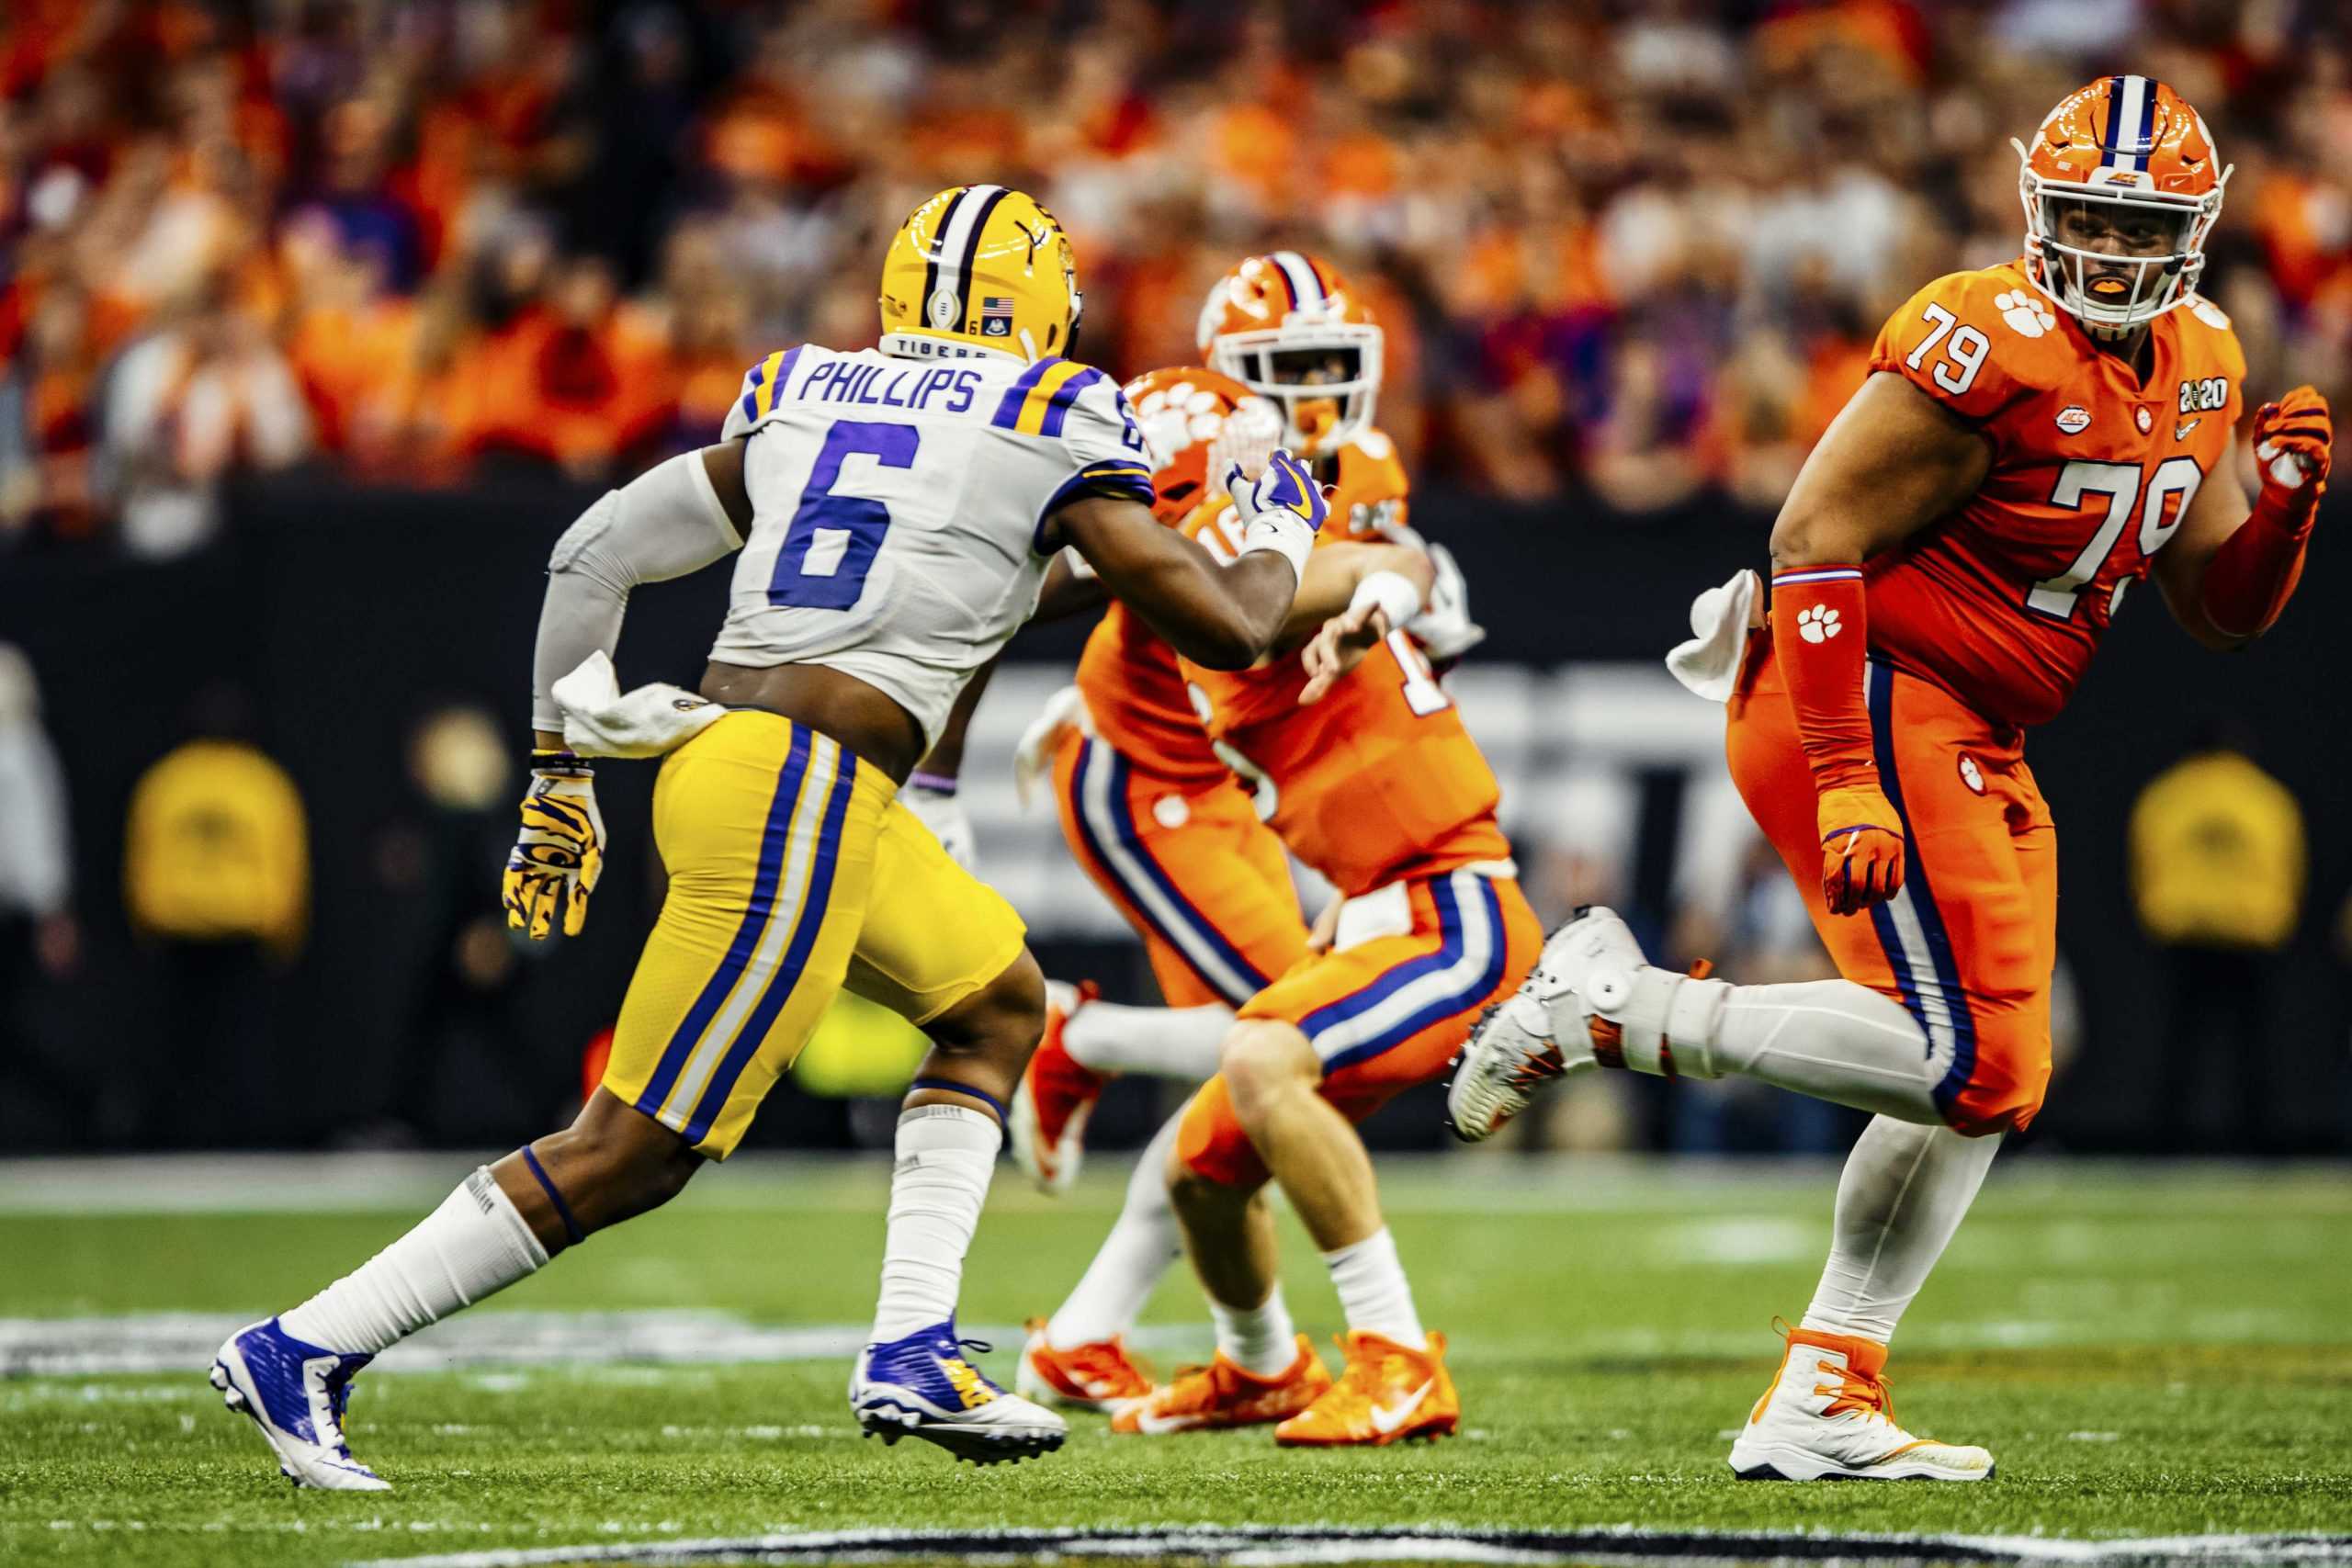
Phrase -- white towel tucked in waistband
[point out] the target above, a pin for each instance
(1709, 662)
(602, 721)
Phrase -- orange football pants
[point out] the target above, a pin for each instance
(1383, 1014)
(1203, 882)
(1969, 943)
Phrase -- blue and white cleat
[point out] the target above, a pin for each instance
(923, 1387)
(295, 1393)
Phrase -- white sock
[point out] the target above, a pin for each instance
(1165, 1042)
(1259, 1338)
(1902, 1193)
(1373, 1289)
(947, 1154)
(1128, 1266)
(1831, 1039)
(475, 1245)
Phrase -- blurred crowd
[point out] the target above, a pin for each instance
(1638, 249)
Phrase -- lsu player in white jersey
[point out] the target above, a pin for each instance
(893, 513)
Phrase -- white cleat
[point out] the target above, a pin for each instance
(1541, 1031)
(1827, 1417)
(295, 1392)
(923, 1387)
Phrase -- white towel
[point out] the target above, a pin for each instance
(1709, 662)
(602, 721)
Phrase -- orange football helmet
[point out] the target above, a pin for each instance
(2124, 157)
(1196, 424)
(1287, 326)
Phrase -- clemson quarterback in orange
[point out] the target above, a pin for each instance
(1150, 803)
(2033, 440)
(1357, 757)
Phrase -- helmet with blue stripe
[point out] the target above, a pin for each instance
(1287, 326)
(979, 269)
(2122, 186)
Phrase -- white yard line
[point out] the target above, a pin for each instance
(1273, 1546)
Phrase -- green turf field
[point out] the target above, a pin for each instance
(2148, 1351)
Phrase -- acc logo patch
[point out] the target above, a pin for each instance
(1971, 774)
(2144, 420)
(2073, 419)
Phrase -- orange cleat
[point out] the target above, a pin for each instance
(1095, 1376)
(1055, 1097)
(1387, 1393)
(1224, 1394)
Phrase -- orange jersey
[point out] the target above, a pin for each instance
(1370, 482)
(2003, 602)
(1136, 697)
(1377, 780)
(1134, 692)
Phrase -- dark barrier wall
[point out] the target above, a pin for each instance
(349, 613)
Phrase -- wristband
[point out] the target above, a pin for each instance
(1292, 543)
(938, 784)
(1392, 592)
(570, 764)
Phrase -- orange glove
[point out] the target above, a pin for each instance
(2252, 575)
(1862, 848)
(2297, 426)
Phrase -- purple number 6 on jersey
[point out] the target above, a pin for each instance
(829, 545)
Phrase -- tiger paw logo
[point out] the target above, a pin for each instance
(2027, 316)
(1817, 623)
(1971, 774)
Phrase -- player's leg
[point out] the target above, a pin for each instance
(1401, 1009)
(1207, 888)
(1314, 1055)
(1232, 873)
(1263, 1369)
(1982, 921)
(1864, 1039)
(766, 830)
(947, 952)
(1077, 1357)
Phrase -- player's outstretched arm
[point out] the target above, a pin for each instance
(672, 519)
(1353, 596)
(1889, 463)
(2229, 572)
(1223, 617)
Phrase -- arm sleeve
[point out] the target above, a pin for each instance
(2252, 575)
(1820, 638)
(665, 523)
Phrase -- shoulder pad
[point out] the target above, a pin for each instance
(1979, 340)
(757, 399)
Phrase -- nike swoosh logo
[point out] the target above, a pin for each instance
(2180, 432)
(1386, 1418)
(1155, 1426)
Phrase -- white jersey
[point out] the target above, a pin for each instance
(898, 504)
